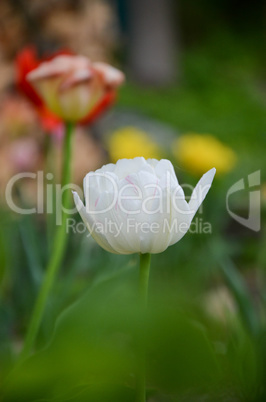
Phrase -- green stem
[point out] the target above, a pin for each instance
(57, 251)
(49, 155)
(237, 286)
(240, 292)
(144, 271)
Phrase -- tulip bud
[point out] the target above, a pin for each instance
(138, 206)
(71, 86)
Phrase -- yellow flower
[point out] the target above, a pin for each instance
(130, 142)
(200, 152)
(263, 193)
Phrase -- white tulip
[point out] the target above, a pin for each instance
(138, 206)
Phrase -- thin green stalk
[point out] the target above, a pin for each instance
(240, 292)
(49, 155)
(144, 271)
(57, 251)
(237, 286)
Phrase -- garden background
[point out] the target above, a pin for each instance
(195, 75)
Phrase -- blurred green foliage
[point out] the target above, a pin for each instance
(221, 92)
(92, 354)
(192, 354)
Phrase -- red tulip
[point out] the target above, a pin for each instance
(26, 61)
(66, 86)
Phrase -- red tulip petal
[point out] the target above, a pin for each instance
(105, 103)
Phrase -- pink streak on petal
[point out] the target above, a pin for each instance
(96, 202)
(131, 182)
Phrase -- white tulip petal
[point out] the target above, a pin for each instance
(181, 217)
(90, 222)
(110, 167)
(95, 184)
(125, 167)
(201, 190)
(118, 232)
(168, 182)
(159, 238)
(163, 167)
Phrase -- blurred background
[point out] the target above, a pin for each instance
(195, 93)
